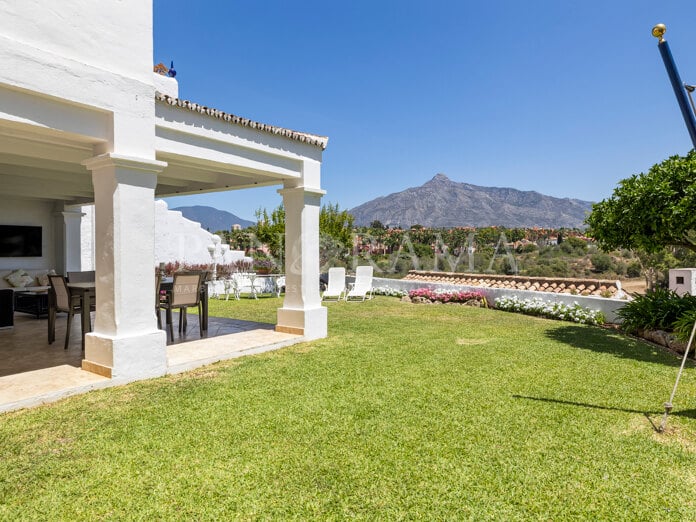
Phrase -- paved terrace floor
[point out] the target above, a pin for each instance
(33, 372)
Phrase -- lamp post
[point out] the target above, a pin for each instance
(213, 250)
(679, 88)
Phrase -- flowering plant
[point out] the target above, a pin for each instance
(384, 290)
(550, 309)
(263, 265)
(241, 265)
(445, 296)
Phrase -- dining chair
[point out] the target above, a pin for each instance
(61, 300)
(88, 276)
(185, 293)
(159, 299)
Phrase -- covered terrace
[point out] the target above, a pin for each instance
(77, 134)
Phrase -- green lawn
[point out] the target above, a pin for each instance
(404, 412)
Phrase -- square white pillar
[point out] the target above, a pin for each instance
(302, 312)
(72, 241)
(125, 342)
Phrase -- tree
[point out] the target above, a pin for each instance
(650, 211)
(270, 230)
(337, 224)
(335, 228)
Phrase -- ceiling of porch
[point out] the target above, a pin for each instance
(45, 164)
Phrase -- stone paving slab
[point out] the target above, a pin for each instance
(26, 389)
(232, 338)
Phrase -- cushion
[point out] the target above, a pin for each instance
(19, 279)
(42, 279)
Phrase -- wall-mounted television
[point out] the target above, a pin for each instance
(20, 241)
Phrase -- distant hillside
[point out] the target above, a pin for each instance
(442, 202)
(213, 219)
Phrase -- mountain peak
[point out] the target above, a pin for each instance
(212, 219)
(442, 202)
(439, 177)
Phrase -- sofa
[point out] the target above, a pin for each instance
(25, 280)
(35, 282)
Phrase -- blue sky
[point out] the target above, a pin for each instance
(565, 98)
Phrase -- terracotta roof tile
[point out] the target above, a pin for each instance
(538, 284)
(303, 137)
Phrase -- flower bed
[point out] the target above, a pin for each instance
(392, 292)
(427, 295)
(551, 310)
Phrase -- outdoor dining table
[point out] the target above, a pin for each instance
(269, 283)
(167, 284)
(87, 292)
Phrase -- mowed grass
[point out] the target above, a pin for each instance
(403, 412)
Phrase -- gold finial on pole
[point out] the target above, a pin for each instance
(659, 32)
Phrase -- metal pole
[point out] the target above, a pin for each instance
(668, 404)
(677, 85)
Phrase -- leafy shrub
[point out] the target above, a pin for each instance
(550, 309)
(633, 269)
(601, 262)
(620, 268)
(526, 249)
(683, 326)
(657, 309)
(578, 244)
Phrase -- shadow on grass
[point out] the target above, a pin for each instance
(604, 341)
(650, 415)
(585, 405)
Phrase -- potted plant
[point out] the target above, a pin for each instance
(263, 266)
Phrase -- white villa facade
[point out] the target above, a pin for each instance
(83, 119)
(176, 239)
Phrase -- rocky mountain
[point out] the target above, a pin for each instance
(442, 202)
(213, 219)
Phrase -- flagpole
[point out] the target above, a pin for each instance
(678, 86)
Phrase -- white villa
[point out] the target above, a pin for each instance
(85, 120)
(176, 239)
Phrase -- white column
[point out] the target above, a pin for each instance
(72, 254)
(302, 312)
(125, 343)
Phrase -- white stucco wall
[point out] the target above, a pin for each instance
(69, 29)
(113, 78)
(687, 276)
(176, 239)
(166, 85)
(34, 213)
(87, 238)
